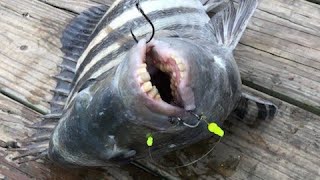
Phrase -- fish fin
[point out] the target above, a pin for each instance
(74, 40)
(230, 23)
(36, 146)
(214, 6)
(252, 109)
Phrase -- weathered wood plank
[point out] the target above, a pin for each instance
(13, 119)
(279, 52)
(29, 36)
(76, 6)
(285, 148)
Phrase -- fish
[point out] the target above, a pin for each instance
(114, 92)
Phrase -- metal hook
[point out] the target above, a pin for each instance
(196, 115)
(188, 125)
(149, 21)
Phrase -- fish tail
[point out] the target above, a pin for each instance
(252, 110)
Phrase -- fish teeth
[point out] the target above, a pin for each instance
(172, 86)
(172, 81)
(182, 74)
(178, 61)
(174, 74)
(181, 67)
(145, 77)
(174, 93)
(146, 87)
(158, 97)
(168, 67)
(142, 70)
(153, 92)
(162, 67)
(143, 65)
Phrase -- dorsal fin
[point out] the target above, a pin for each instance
(74, 41)
(213, 6)
(230, 23)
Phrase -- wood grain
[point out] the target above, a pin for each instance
(29, 55)
(13, 120)
(76, 6)
(278, 54)
(285, 148)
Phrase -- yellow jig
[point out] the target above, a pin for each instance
(214, 128)
(149, 140)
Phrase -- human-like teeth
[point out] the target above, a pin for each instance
(182, 74)
(153, 92)
(174, 74)
(145, 76)
(182, 67)
(178, 61)
(174, 93)
(172, 81)
(161, 66)
(143, 65)
(142, 70)
(172, 86)
(158, 97)
(147, 86)
(168, 67)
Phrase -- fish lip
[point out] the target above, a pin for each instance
(184, 90)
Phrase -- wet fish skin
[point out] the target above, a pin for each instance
(106, 116)
(118, 123)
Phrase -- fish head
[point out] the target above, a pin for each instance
(164, 78)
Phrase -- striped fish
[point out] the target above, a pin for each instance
(113, 92)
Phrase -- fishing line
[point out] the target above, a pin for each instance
(212, 127)
(188, 164)
(149, 21)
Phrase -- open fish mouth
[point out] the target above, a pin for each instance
(163, 79)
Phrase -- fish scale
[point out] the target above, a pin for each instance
(101, 111)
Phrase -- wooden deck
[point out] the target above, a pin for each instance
(279, 58)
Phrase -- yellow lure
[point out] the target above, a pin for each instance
(214, 128)
(149, 140)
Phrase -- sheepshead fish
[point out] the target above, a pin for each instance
(112, 92)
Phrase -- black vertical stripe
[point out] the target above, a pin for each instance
(262, 111)
(242, 108)
(112, 14)
(118, 34)
(272, 111)
(125, 47)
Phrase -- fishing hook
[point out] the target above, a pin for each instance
(190, 125)
(196, 115)
(149, 21)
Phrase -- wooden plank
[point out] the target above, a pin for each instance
(76, 6)
(279, 52)
(13, 120)
(29, 36)
(285, 148)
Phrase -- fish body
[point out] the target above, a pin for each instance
(120, 91)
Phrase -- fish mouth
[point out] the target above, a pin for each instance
(162, 75)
